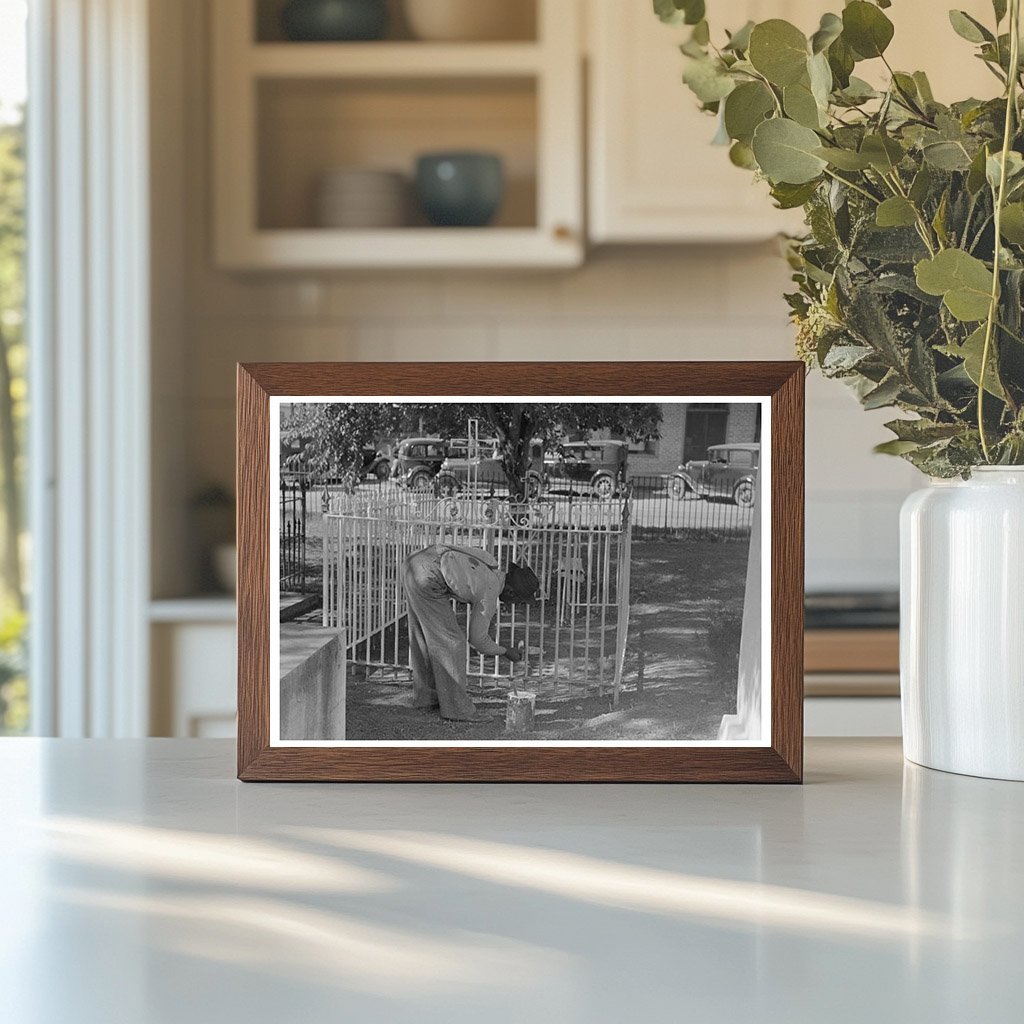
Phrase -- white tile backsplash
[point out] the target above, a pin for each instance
(714, 303)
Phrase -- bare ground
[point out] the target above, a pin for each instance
(686, 606)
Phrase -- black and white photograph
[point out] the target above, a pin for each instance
(525, 571)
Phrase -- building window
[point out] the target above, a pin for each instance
(705, 425)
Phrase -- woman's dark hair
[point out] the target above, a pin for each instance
(521, 585)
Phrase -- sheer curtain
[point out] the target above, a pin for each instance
(88, 299)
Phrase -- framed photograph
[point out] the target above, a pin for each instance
(514, 572)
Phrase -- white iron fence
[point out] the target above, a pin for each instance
(579, 549)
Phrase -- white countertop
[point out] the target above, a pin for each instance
(143, 885)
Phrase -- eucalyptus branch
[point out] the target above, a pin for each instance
(850, 184)
(923, 227)
(981, 231)
(1000, 199)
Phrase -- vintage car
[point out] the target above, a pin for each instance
(485, 471)
(729, 471)
(376, 464)
(601, 465)
(417, 461)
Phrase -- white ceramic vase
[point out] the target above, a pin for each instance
(962, 624)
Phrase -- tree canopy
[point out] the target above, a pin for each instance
(331, 436)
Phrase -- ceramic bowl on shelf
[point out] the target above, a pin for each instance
(361, 198)
(460, 189)
(332, 21)
(470, 20)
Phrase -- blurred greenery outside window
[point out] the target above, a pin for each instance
(14, 690)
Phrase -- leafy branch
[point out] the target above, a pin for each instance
(910, 277)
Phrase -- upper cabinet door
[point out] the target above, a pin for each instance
(653, 174)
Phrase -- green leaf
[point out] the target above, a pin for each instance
(676, 12)
(801, 106)
(741, 155)
(785, 152)
(1012, 225)
(844, 159)
(1014, 169)
(923, 431)
(896, 212)
(947, 156)
(963, 281)
(778, 50)
(939, 220)
(999, 7)
(866, 29)
(969, 28)
(883, 153)
(739, 41)
(708, 80)
(789, 197)
(745, 108)
(820, 76)
(976, 174)
(895, 447)
(971, 352)
(921, 185)
(924, 87)
(885, 394)
(830, 29)
(858, 91)
(841, 60)
(906, 89)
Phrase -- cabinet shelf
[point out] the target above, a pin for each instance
(286, 113)
(310, 248)
(393, 60)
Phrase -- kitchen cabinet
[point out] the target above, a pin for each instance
(286, 113)
(192, 649)
(653, 175)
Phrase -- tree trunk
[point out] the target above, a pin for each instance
(11, 494)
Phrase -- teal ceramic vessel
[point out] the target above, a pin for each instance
(461, 190)
(334, 21)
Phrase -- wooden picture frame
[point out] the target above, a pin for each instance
(779, 386)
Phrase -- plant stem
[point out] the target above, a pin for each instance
(856, 188)
(923, 228)
(993, 309)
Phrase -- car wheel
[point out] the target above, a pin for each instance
(743, 495)
(382, 471)
(420, 480)
(603, 486)
(448, 486)
(678, 488)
